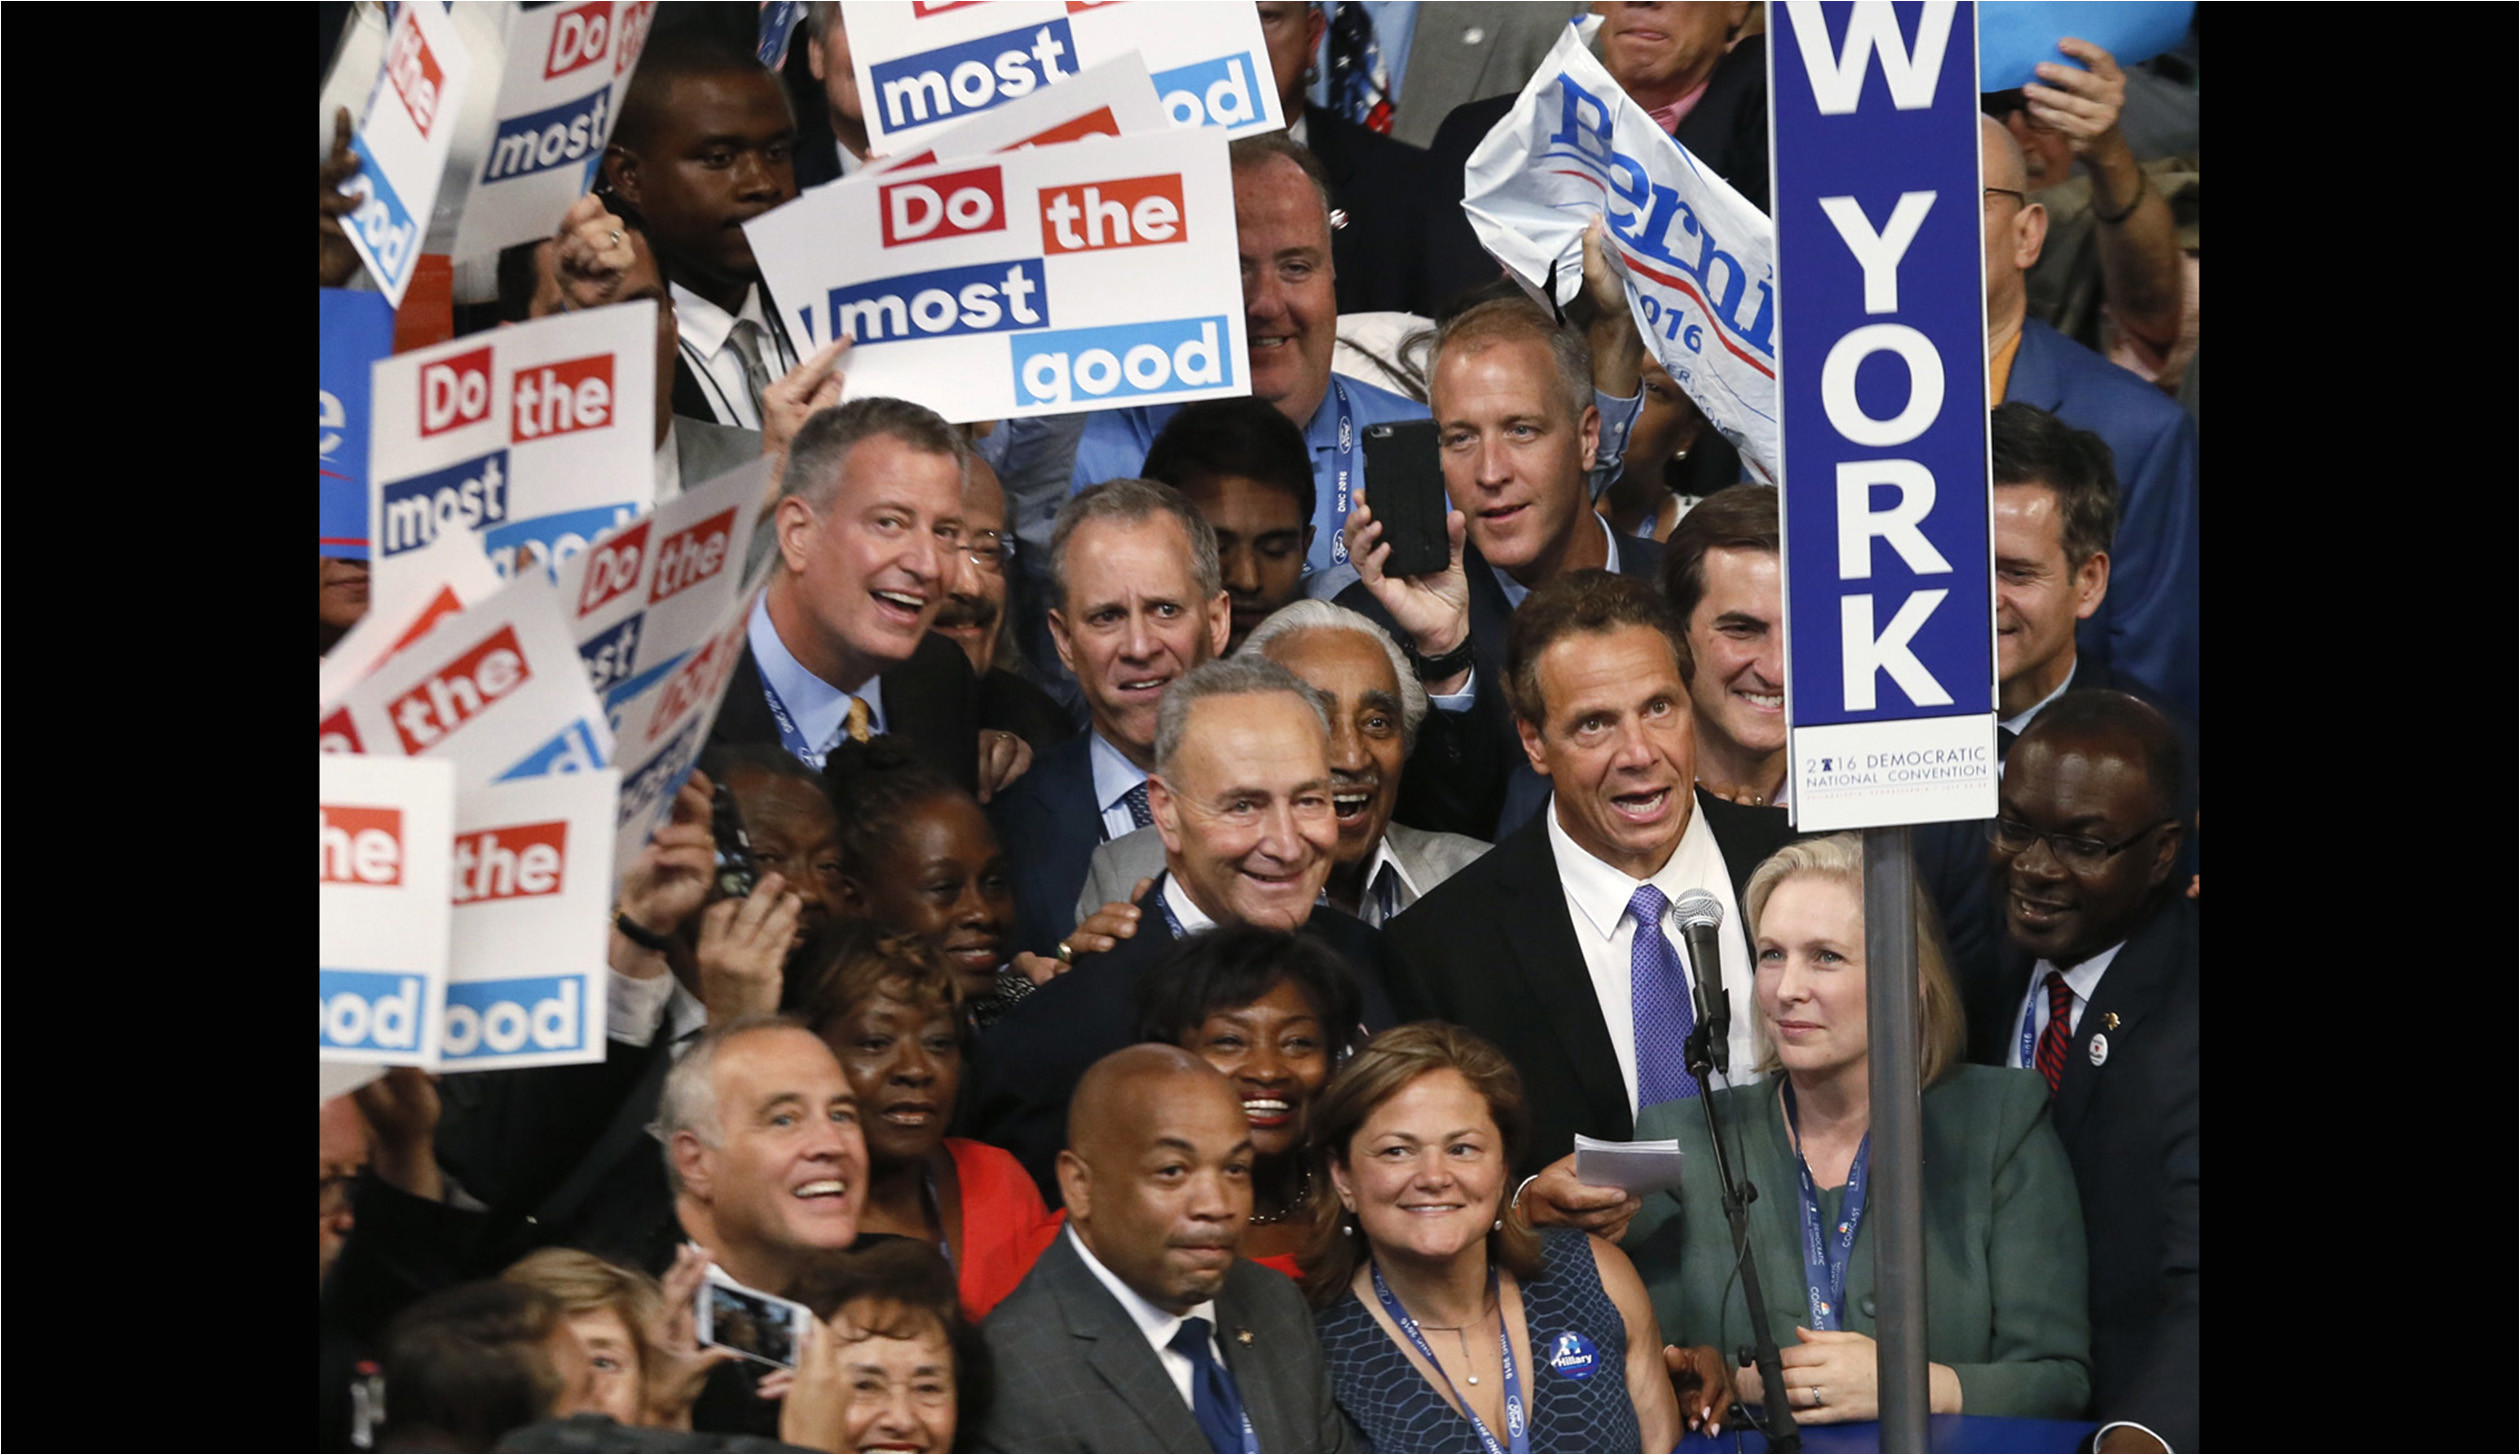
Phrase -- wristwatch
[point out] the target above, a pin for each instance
(1436, 669)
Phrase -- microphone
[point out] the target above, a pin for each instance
(1700, 914)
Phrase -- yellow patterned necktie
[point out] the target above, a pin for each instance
(858, 720)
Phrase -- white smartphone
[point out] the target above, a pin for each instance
(757, 1325)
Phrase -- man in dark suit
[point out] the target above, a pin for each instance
(870, 511)
(1512, 396)
(1241, 795)
(1141, 1328)
(2098, 991)
(703, 146)
(1671, 60)
(1378, 251)
(1561, 945)
(1139, 600)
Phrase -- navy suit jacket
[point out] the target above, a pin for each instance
(2129, 1122)
(1049, 824)
(2147, 626)
(1018, 1079)
(1485, 795)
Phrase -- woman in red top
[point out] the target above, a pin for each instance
(890, 1007)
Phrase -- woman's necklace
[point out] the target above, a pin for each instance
(1303, 1195)
(1462, 1332)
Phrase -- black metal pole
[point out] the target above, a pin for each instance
(1894, 1204)
(1777, 1422)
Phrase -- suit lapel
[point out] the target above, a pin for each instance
(1120, 1356)
(1542, 939)
(2131, 990)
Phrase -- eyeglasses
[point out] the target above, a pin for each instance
(2022, 198)
(2074, 851)
(990, 549)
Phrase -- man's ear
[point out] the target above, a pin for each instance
(2091, 585)
(1076, 1187)
(1221, 621)
(2166, 853)
(1166, 811)
(2029, 235)
(621, 173)
(1590, 424)
(1059, 639)
(795, 532)
(1531, 745)
(691, 1164)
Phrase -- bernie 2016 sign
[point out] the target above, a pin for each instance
(1881, 343)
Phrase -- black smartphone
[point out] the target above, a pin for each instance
(1404, 480)
(735, 872)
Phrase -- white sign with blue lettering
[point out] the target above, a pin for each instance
(531, 440)
(1092, 275)
(529, 886)
(402, 139)
(566, 69)
(497, 689)
(382, 827)
(922, 65)
(661, 726)
(1116, 98)
(1890, 646)
(1696, 253)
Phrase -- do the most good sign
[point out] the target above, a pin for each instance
(924, 64)
(1090, 275)
(1890, 648)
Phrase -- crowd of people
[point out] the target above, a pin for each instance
(1181, 956)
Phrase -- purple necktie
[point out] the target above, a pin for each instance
(1658, 994)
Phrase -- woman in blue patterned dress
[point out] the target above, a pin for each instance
(1447, 1323)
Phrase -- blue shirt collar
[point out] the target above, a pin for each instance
(818, 707)
(1114, 775)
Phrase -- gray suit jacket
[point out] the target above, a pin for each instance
(1447, 67)
(1118, 864)
(1075, 1372)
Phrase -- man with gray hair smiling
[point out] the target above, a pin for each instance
(763, 1149)
(1376, 704)
(1241, 797)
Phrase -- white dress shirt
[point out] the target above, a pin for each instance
(2083, 979)
(1597, 898)
(706, 329)
(1157, 1325)
(1194, 920)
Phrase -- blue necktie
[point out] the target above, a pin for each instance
(1658, 995)
(1140, 813)
(1212, 1397)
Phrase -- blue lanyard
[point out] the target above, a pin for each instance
(1824, 1269)
(789, 737)
(2029, 1036)
(1517, 1429)
(1343, 470)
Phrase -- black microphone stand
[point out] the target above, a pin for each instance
(1777, 1421)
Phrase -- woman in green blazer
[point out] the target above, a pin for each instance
(2004, 1260)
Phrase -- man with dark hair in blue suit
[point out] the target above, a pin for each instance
(2147, 627)
(1138, 600)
